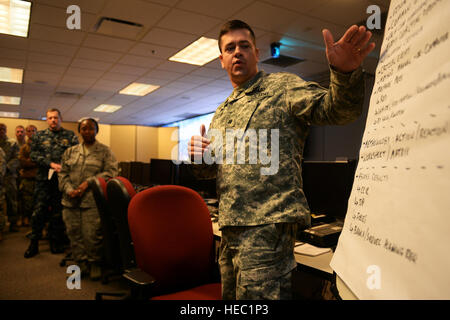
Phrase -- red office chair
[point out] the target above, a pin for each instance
(173, 242)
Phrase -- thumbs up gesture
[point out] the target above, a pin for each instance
(198, 145)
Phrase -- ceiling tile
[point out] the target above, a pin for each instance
(33, 76)
(81, 72)
(10, 89)
(12, 63)
(61, 35)
(7, 53)
(152, 50)
(49, 58)
(152, 80)
(135, 11)
(355, 11)
(208, 72)
(85, 5)
(121, 68)
(169, 38)
(305, 69)
(114, 76)
(107, 43)
(90, 64)
(45, 67)
(52, 48)
(188, 22)
(121, 99)
(303, 7)
(177, 67)
(13, 42)
(96, 54)
(139, 61)
(164, 75)
(61, 103)
(310, 29)
(57, 17)
(266, 17)
(194, 79)
(218, 9)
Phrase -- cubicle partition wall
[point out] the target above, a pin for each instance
(327, 186)
(185, 177)
(135, 171)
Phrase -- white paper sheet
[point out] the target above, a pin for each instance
(309, 250)
(396, 236)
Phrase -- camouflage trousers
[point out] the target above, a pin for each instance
(26, 197)
(256, 262)
(84, 232)
(48, 208)
(11, 198)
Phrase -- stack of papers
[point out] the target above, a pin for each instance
(309, 250)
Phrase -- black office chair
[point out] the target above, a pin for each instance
(120, 191)
(111, 261)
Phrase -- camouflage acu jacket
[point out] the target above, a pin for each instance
(11, 149)
(48, 146)
(275, 110)
(78, 167)
(2, 176)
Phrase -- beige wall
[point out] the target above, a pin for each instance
(146, 143)
(123, 142)
(168, 143)
(128, 142)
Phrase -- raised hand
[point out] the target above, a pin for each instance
(198, 144)
(348, 53)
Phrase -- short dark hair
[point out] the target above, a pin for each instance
(90, 119)
(31, 126)
(54, 110)
(234, 25)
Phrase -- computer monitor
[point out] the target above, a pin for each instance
(327, 186)
(162, 171)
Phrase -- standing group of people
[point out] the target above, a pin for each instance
(17, 175)
(64, 170)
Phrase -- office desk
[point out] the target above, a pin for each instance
(319, 265)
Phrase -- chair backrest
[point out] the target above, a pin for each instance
(172, 234)
(120, 191)
(110, 237)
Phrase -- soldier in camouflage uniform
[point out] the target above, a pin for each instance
(2, 193)
(28, 171)
(11, 149)
(261, 209)
(47, 148)
(81, 164)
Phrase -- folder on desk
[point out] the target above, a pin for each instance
(309, 250)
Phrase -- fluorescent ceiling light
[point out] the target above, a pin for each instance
(107, 108)
(11, 75)
(4, 114)
(199, 52)
(10, 100)
(14, 17)
(138, 89)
